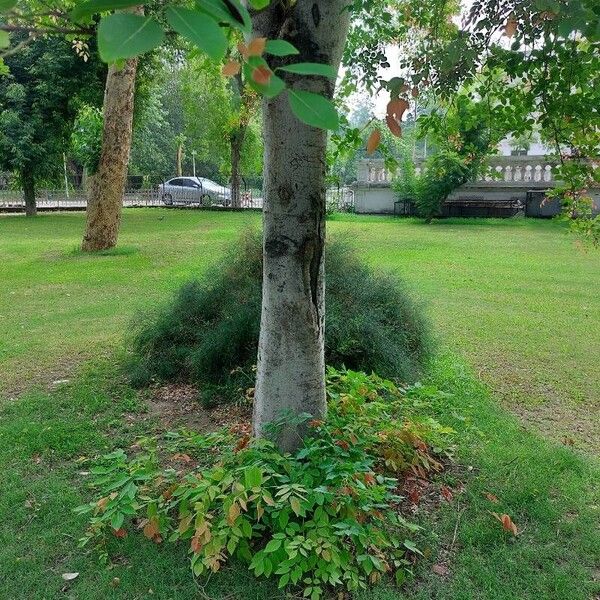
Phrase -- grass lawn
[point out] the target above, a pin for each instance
(515, 299)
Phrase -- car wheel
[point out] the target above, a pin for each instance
(204, 199)
(168, 199)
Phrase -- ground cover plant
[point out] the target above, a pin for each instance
(208, 333)
(327, 516)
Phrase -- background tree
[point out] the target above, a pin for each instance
(221, 121)
(86, 140)
(105, 198)
(39, 99)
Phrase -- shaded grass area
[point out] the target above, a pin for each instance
(550, 492)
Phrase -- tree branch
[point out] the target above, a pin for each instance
(46, 30)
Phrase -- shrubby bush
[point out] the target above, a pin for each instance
(208, 333)
(326, 517)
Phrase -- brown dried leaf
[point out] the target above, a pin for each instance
(151, 529)
(257, 46)
(447, 493)
(120, 533)
(231, 68)
(511, 27)
(396, 108)
(373, 141)
(243, 49)
(394, 126)
(491, 497)
(507, 523)
(262, 75)
(233, 514)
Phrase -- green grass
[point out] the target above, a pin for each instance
(515, 299)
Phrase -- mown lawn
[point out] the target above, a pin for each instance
(515, 299)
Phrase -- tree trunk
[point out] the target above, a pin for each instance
(107, 185)
(237, 140)
(28, 182)
(179, 159)
(291, 367)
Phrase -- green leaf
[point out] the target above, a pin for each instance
(311, 69)
(200, 29)
(6, 5)
(272, 546)
(123, 35)
(93, 7)
(117, 520)
(294, 502)
(232, 13)
(314, 110)
(252, 477)
(259, 4)
(280, 48)
(4, 39)
(412, 547)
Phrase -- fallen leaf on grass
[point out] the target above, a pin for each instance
(447, 493)
(507, 523)
(491, 497)
(440, 570)
(120, 533)
(70, 576)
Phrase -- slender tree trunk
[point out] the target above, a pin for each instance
(107, 185)
(237, 140)
(28, 182)
(291, 368)
(179, 159)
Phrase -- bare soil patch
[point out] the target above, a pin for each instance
(177, 405)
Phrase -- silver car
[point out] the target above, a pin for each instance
(194, 190)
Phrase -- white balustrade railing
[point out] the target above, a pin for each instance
(507, 169)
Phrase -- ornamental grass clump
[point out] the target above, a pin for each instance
(323, 519)
(208, 333)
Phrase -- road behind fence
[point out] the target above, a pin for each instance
(338, 199)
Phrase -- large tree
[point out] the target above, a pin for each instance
(39, 99)
(291, 369)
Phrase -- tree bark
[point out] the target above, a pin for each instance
(107, 185)
(179, 159)
(237, 140)
(28, 181)
(291, 367)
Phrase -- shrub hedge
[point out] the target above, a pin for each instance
(208, 332)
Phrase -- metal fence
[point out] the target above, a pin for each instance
(337, 199)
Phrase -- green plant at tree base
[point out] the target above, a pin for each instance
(209, 332)
(325, 517)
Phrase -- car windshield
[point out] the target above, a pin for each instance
(211, 185)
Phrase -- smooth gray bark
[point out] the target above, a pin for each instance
(291, 368)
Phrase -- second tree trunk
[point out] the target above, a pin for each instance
(107, 185)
